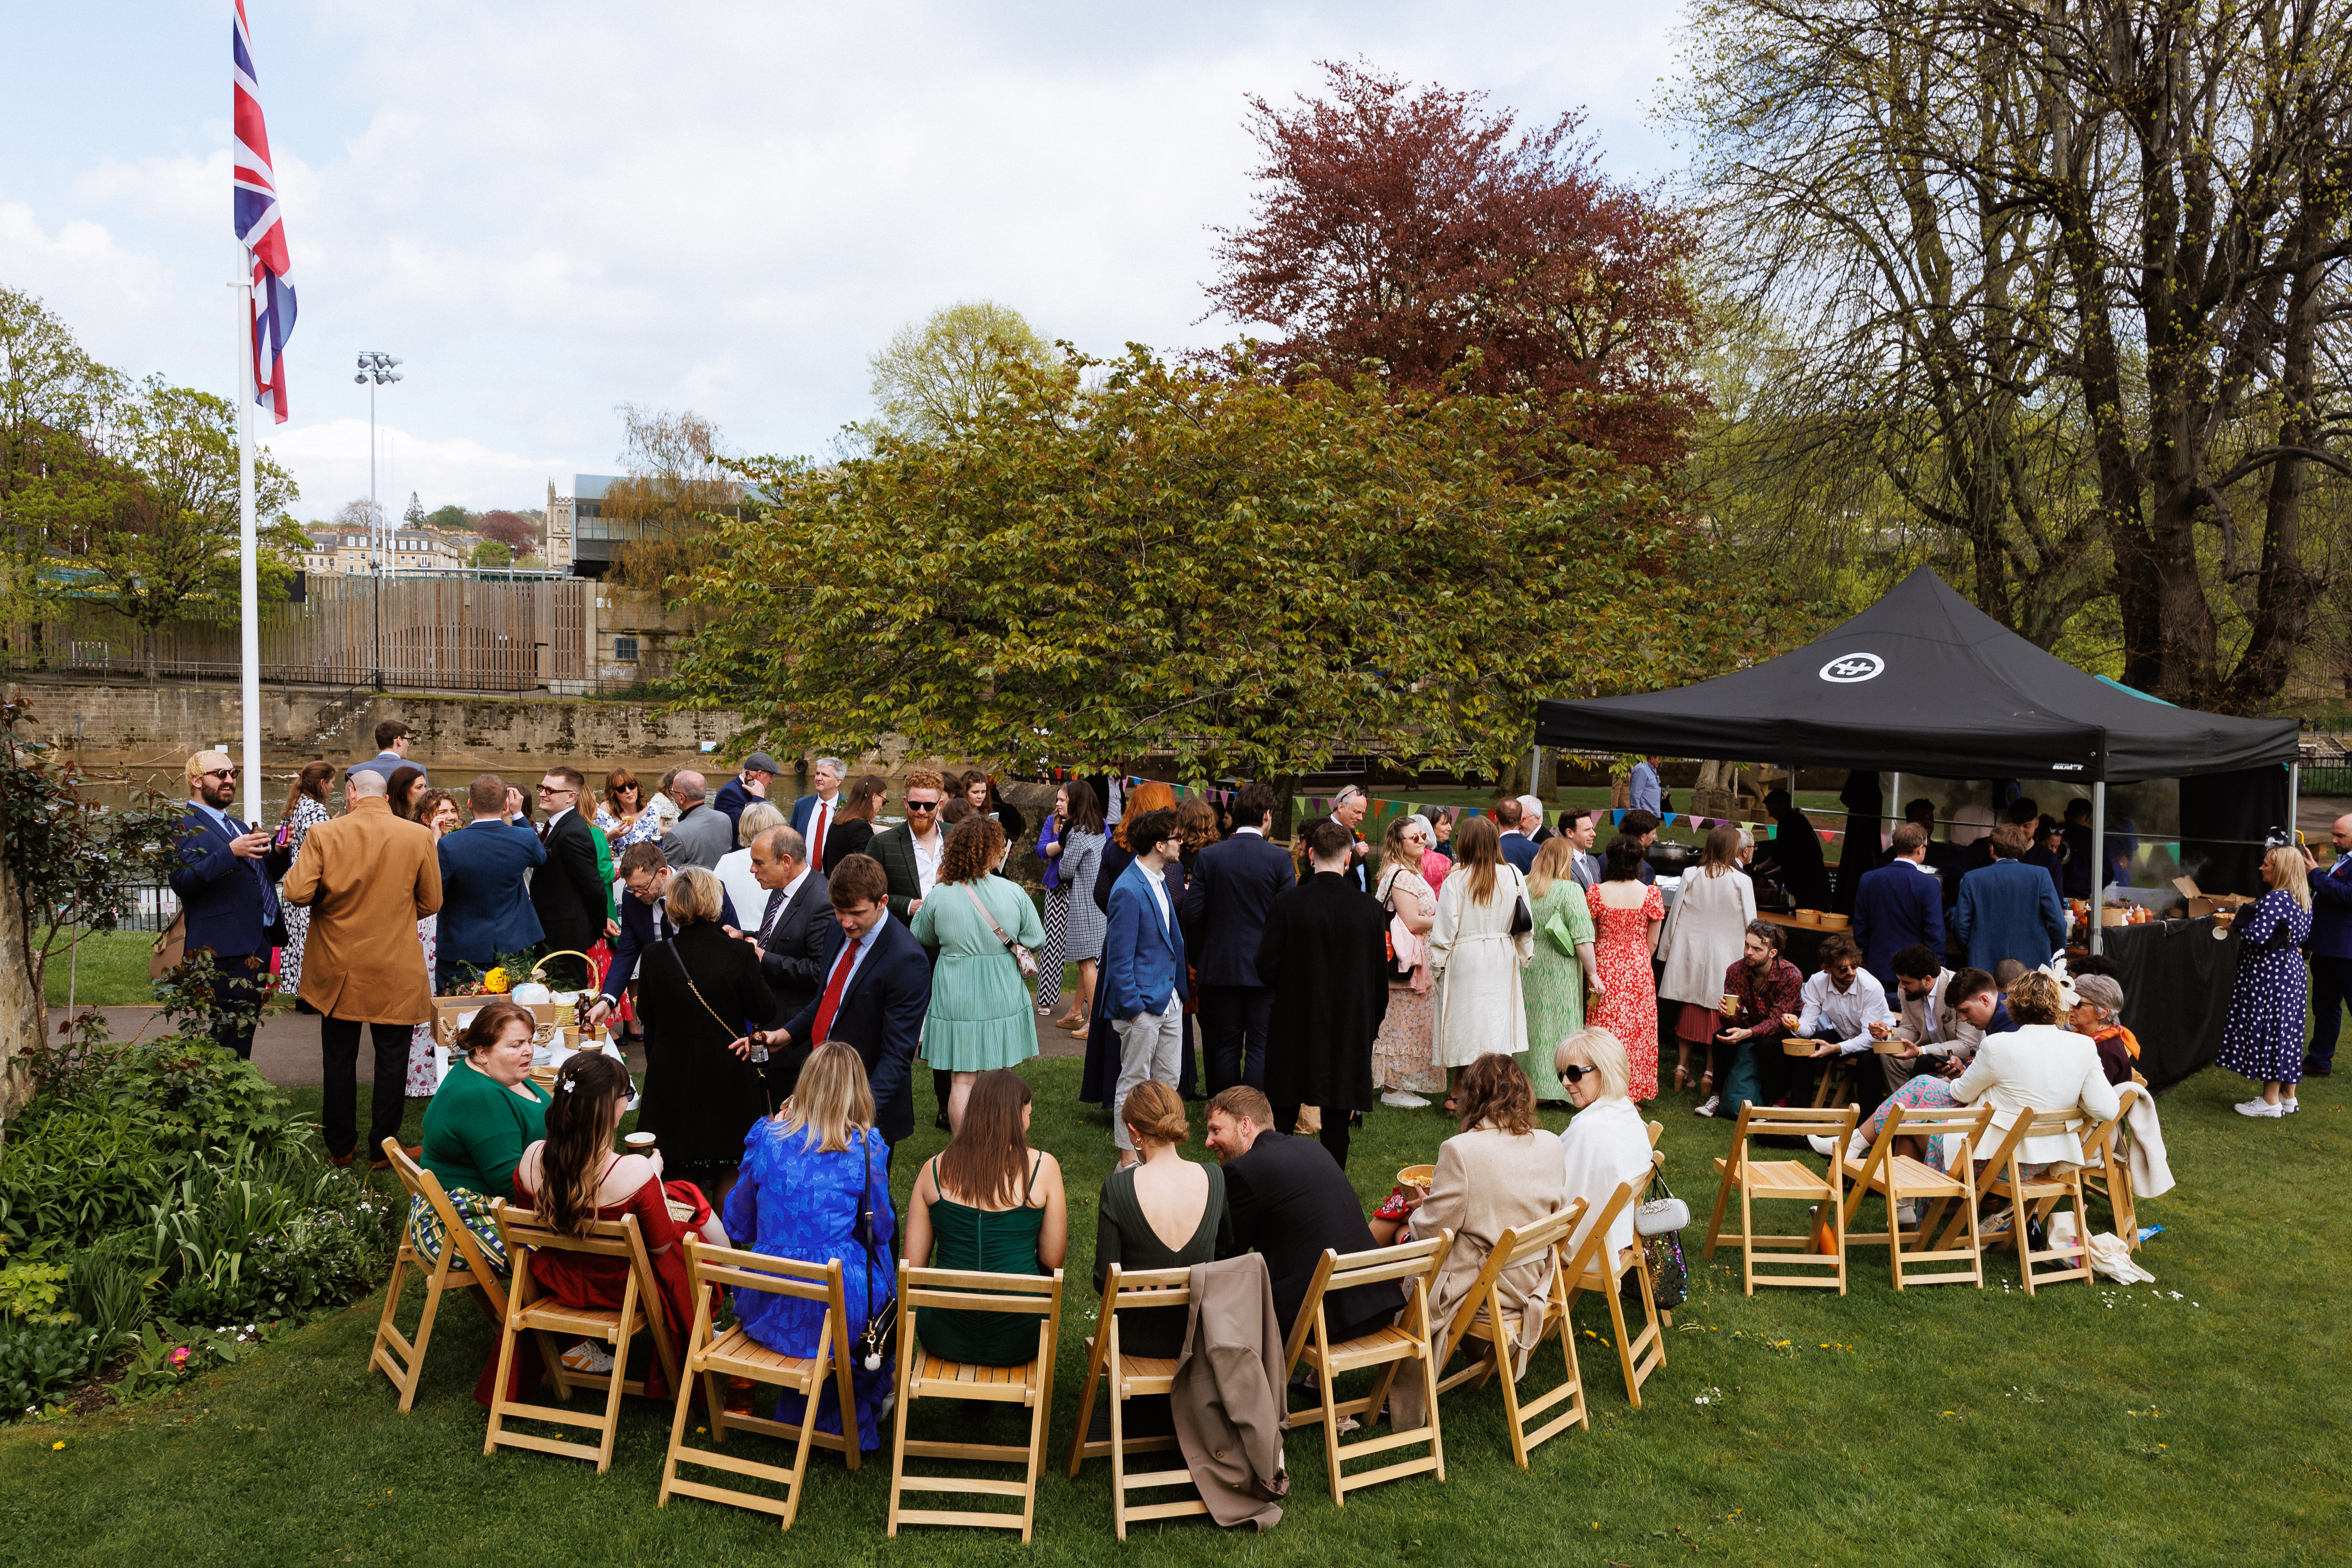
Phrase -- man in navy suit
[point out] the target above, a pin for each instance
(876, 993)
(1518, 848)
(1899, 905)
(814, 815)
(1232, 886)
(486, 908)
(2330, 949)
(750, 785)
(645, 920)
(223, 888)
(1143, 966)
(569, 892)
(797, 939)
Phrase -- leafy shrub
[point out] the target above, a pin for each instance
(37, 1360)
(29, 1290)
(259, 1239)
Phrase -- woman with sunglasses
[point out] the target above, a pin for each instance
(1403, 1065)
(1605, 1143)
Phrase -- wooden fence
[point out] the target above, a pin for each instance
(451, 634)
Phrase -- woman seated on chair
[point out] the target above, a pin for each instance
(1162, 1196)
(1606, 1143)
(571, 1178)
(992, 1204)
(2040, 1066)
(2097, 1017)
(476, 1125)
(1500, 1172)
(809, 1172)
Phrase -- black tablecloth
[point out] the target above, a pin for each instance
(2177, 982)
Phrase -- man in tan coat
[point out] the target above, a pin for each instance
(367, 878)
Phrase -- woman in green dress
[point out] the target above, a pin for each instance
(980, 1017)
(486, 1113)
(1565, 969)
(991, 1204)
(1162, 1194)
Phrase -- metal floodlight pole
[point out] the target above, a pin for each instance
(376, 370)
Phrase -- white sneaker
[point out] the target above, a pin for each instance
(2287, 1106)
(1907, 1212)
(1822, 1146)
(2258, 1108)
(588, 1357)
(1708, 1108)
(1404, 1101)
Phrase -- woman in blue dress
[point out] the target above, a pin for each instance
(2262, 1037)
(808, 1172)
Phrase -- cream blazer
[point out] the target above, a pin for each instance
(2039, 1066)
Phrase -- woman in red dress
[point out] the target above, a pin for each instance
(1626, 915)
(582, 1180)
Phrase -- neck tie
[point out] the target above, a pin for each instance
(545, 828)
(775, 908)
(830, 1004)
(817, 836)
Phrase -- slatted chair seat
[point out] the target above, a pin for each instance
(531, 1312)
(1594, 1269)
(923, 1376)
(1896, 1177)
(462, 1266)
(1783, 1181)
(1482, 1317)
(715, 1357)
(1129, 1376)
(1416, 1265)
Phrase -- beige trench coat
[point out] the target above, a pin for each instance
(367, 878)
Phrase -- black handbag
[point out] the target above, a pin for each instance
(1523, 919)
(878, 1341)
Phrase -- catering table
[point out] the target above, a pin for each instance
(1800, 941)
(2177, 981)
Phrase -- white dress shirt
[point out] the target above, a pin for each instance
(1845, 1015)
(926, 860)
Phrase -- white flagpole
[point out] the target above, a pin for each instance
(249, 584)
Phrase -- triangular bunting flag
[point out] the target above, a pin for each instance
(1617, 818)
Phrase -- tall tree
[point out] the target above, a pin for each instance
(1252, 573)
(414, 516)
(53, 396)
(509, 528)
(671, 496)
(937, 376)
(1410, 228)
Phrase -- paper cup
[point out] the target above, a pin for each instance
(639, 1142)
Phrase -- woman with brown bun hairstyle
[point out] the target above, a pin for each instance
(306, 808)
(1162, 1194)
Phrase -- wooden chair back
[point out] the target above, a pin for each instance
(2106, 1167)
(715, 1357)
(463, 1265)
(1896, 1177)
(1416, 1264)
(922, 1376)
(1822, 1246)
(1595, 1267)
(1481, 1315)
(529, 1309)
(1126, 1291)
(2033, 1198)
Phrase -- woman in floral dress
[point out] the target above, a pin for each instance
(1402, 1064)
(306, 808)
(438, 812)
(1556, 986)
(2262, 1038)
(1626, 915)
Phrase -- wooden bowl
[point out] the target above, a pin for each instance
(1417, 1176)
(1835, 922)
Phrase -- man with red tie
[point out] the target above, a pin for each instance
(814, 814)
(876, 995)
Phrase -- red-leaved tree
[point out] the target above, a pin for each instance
(1410, 227)
(514, 531)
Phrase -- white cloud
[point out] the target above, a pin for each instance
(330, 459)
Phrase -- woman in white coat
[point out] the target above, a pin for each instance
(1703, 936)
(2039, 1066)
(1607, 1143)
(1478, 1007)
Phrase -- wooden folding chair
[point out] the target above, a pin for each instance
(530, 1310)
(1595, 1269)
(1783, 1181)
(922, 1376)
(715, 1357)
(1483, 1317)
(2106, 1168)
(1130, 1376)
(2033, 1197)
(462, 1266)
(1417, 1264)
(1896, 1176)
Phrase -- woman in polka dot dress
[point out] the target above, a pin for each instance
(2263, 1038)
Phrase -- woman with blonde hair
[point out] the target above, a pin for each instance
(734, 867)
(979, 1017)
(1479, 1008)
(1606, 1143)
(1403, 1065)
(809, 1172)
(2262, 1040)
(1565, 970)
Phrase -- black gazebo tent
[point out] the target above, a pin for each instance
(1923, 681)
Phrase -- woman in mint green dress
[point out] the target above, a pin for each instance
(980, 999)
(1554, 984)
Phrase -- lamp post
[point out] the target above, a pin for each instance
(376, 370)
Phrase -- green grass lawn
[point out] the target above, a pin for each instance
(2092, 1425)
(105, 969)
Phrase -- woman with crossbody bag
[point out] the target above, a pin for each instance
(985, 932)
(699, 993)
(1401, 1063)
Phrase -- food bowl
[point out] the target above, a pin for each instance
(1829, 921)
(1809, 917)
(1795, 1048)
(1417, 1176)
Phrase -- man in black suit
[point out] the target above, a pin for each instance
(1290, 1201)
(876, 993)
(569, 892)
(797, 939)
(1325, 952)
(645, 920)
(224, 883)
(1232, 886)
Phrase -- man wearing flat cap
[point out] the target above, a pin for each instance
(745, 788)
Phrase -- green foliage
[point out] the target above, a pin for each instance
(1250, 575)
(490, 554)
(937, 378)
(30, 1291)
(38, 1359)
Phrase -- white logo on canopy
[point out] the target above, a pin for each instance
(1849, 667)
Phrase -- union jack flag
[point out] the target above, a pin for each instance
(261, 228)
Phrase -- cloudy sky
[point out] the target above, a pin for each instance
(547, 210)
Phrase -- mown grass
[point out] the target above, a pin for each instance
(103, 968)
(2092, 1425)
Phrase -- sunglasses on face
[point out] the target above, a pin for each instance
(1576, 1072)
(922, 805)
(219, 773)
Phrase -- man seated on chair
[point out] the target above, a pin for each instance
(1844, 1005)
(1290, 1201)
(1946, 1014)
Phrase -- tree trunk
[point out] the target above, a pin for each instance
(24, 1018)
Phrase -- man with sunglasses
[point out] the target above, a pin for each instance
(226, 898)
(909, 856)
(569, 892)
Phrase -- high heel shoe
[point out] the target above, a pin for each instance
(1682, 1078)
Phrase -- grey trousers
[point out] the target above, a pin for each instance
(1150, 1046)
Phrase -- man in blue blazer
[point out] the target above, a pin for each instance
(486, 908)
(1232, 887)
(223, 886)
(815, 815)
(875, 996)
(2330, 949)
(645, 919)
(1518, 850)
(1899, 905)
(2008, 909)
(746, 786)
(1143, 966)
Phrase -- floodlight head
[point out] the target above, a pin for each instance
(392, 359)
(360, 379)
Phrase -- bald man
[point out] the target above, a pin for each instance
(2330, 950)
(227, 896)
